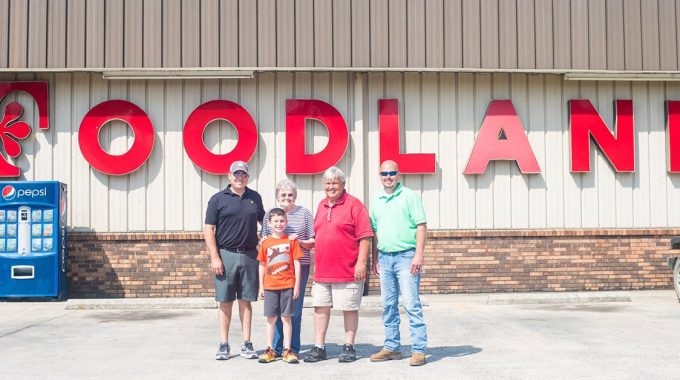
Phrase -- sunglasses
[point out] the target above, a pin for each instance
(391, 173)
(240, 174)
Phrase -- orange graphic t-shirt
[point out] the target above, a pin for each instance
(277, 256)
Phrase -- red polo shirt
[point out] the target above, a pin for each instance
(338, 229)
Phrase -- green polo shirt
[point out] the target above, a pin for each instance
(394, 218)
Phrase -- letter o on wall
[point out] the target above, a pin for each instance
(205, 114)
(94, 120)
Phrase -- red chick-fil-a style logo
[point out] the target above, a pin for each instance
(12, 129)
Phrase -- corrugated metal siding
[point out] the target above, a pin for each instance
(482, 34)
(439, 113)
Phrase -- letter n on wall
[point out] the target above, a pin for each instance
(618, 148)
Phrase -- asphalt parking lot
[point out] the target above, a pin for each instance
(631, 335)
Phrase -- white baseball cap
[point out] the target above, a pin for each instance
(238, 165)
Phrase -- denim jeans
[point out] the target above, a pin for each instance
(297, 318)
(395, 276)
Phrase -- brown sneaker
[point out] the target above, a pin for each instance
(290, 357)
(267, 356)
(417, 358)
(385, 355)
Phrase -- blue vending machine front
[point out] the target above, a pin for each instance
(33, 240)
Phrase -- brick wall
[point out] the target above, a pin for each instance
(458, 261)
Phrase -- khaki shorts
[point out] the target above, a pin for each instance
(345, 296)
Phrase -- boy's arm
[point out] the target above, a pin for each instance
(296, 289)
(261, 280)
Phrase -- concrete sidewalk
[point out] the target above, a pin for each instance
(480, 336)
(366, 302)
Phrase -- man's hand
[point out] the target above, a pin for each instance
(292, 237)
(360, 271)
(296, 293)
(216, 266)
(417, 264)
(375, 267)
(261, 293)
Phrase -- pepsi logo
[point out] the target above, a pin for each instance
(9, 193)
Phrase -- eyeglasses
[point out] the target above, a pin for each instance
(391, 173)
(240, 174)
(286, 195)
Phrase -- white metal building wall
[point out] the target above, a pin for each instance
(439, 113)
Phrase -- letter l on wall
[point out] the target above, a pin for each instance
(390, 144)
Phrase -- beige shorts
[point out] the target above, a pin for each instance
(345, 296)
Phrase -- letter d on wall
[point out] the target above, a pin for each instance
(297, 112)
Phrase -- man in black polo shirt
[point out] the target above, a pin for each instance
(231, 236)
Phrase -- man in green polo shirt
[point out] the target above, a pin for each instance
(399, 221)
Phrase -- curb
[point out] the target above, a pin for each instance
(367, 302)
(556, 298)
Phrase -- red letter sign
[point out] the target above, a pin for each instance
(38, 90)
(584, 122)
(11, 129)
(102, 113)
(502, 137)
(219, 110)
(297, 111)
(673, 135)
(390, 145)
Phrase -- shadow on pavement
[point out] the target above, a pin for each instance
(437, 353)
(136, 315)
(366, 350)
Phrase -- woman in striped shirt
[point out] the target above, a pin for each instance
(300, 226)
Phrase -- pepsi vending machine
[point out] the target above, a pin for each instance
(33, 240)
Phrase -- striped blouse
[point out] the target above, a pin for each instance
(300, 222)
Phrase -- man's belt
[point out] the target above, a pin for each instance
(398, 252)
(239, 249)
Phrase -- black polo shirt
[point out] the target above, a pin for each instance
(235, 218)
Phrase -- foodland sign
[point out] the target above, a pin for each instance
(500, 137)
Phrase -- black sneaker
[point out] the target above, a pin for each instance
(348, 354)
(316, 354)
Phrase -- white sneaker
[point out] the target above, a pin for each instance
(247, 350)
(223, 351)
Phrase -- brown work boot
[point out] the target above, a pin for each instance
(417, 358)
(385, 354)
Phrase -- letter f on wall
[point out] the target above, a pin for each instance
(502, 137)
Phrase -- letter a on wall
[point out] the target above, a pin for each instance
(502, 137)
(297, 112)
(585, 122)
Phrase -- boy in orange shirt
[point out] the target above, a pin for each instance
(279, 283)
